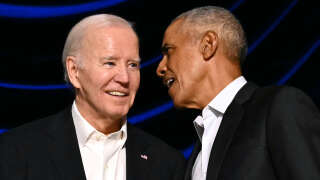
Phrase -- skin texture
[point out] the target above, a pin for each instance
(198, 65)
(108, 61)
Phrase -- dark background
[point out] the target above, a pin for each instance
(283, 36)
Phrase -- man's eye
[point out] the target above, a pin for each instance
(134, 65)
(109, 63)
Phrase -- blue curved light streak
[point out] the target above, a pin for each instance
(151, 61)
(26, 12)
(2, 130)
(272, 27)
(34, 87)
(236, 5)
(151, 113)
(299, 63)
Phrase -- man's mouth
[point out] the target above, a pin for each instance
(117, 93)
(168, 82)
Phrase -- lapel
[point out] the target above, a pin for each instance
(136, 146)
(63, 147)
(229, 124)
(192, 159)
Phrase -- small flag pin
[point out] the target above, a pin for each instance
(144, 156)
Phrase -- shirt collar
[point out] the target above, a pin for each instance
(218, 105)
(85, 131)
(221, 102)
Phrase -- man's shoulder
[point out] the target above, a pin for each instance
(274, 96)
(281, 102)
(276, 92)
(278, 88)
(33, 130)
(272, 92)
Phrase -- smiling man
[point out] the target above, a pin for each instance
(245, 132)
(92, 139)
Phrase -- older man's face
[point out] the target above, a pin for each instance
(181, 68)
(109, 76)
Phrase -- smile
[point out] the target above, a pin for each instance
(117, 93)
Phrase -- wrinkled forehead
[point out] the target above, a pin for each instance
(107, 30)
(110, 34)
(120, 42)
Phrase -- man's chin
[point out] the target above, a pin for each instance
(177, 103)
(179, 106)
(119, 115)
(181, 103)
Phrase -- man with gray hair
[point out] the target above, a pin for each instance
(245, 132)
(92, 139)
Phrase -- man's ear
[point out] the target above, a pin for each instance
(73, 70)
(208, 44)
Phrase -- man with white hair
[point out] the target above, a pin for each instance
(92, 139)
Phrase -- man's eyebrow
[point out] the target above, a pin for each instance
(137, 60)
(109, 58)
(165, 48)
(116, 58)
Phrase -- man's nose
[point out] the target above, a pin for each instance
(122, 75)
(161, 70)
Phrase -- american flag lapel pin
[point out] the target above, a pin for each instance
(143, 156)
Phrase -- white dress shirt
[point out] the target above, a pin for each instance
(103, 156)
(208, 124)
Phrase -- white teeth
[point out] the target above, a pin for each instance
(117, 93)
(169, 82)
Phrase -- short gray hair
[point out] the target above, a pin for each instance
(76, 35)
(221, 21)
